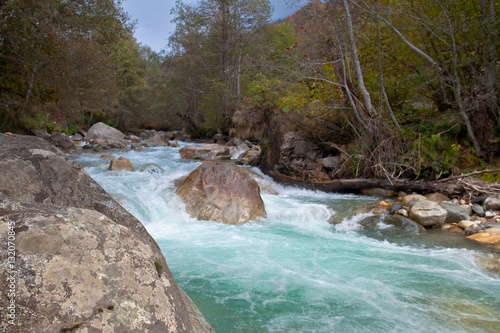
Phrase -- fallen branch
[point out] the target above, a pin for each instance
(356, 185)
(467, 175)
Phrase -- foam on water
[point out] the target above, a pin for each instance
(296, 272)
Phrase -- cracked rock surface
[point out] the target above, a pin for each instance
(83, 263)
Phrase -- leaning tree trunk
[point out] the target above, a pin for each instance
(270, 143)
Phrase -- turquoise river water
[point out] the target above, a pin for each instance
(296, 272)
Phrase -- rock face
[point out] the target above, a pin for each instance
(205, 152)
(104, 132)
(83, 262)
(427, 213)
(220, 191)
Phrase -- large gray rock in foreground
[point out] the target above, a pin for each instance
(83, 263)
(104, 132)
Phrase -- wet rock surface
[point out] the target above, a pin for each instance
(222, 192)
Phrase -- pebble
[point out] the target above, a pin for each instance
(465, 224)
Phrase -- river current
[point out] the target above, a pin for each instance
(295, 271)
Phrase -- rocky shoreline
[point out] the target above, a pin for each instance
(478, 218)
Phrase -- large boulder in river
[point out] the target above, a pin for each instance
(427, 213)
(104, 132)
(221, 192)
(83, 263)
(121, 164)
(205, 152)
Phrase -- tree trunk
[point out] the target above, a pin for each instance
(381, 73)
(224, 8)
(457, 86)
(270, 143)
(355, 59)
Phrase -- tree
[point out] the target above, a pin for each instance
(57, 61)
(459, 41)
(212, 41)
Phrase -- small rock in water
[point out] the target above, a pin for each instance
(402, 212)
(108, 157)
(396, 207)
(150, 168)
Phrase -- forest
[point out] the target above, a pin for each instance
(405, 89)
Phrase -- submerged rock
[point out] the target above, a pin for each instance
(83, 261)
(222, 192)
(150, 168)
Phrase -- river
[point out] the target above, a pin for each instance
(295, 271)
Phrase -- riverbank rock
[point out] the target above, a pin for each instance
(455, 213)
(159, 138)
(62, 141)
(409, 200)
(437, 197)
(205, 152)
(121, 164)
(104, 132)
(221, 192)
(492, 203)
(83, 262)
(489, 236)
(427, 213)
(250, 156)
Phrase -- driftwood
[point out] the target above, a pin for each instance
(358, 184)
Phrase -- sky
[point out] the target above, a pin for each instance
(153, 19)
